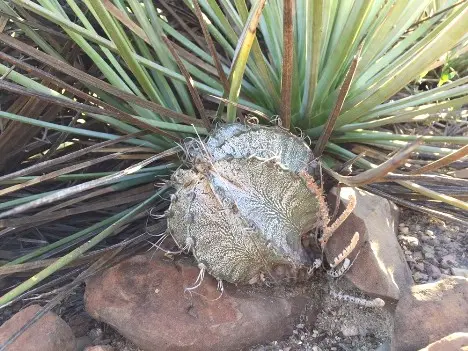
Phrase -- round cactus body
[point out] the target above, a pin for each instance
(242, 213)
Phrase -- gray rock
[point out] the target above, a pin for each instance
(448, 261)
(462, 272)
(420, 277)
(429, 232)
(430, 312)
(428, 251)
(381, 267)
(404, 230)
(420, 267)
(418, 256)
(350, 330)
(433, 271)
(83, 342)
(446, 240)
(410, 241)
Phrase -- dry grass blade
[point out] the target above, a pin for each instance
(107, 108)
(79, 251)
(409, 204)
(240, 106)
(436, 14)
(332, 118)
(428, 178)
(117, 13)
(373, 175)
(187, 30)
(101, 263)
(444, 161)
(93, 81)
(68, 157)
(287, 67)
(65, 193)
(57, 173)
(77, 106)
(211, 47)
(193, 92)
(120, 199)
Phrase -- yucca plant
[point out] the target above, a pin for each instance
(130, 79)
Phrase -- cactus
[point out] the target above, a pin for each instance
(245, 204)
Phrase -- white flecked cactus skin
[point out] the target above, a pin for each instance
(244, 205)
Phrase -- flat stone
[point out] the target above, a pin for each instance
(380, 268)
(50, 333)
(429, 312)
(144, 300)
(452, 342)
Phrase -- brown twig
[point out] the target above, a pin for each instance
(435, 14)
(444, 161)
(287, 66)
(332, 118)
(85, 78)
(411, 205)
(240, 106)
(68, 157)
(193, 92)
(211, 47)
(373, 175)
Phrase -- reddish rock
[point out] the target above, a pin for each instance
(380, 268)
(429, 312)
(144, 300)
(452, 342)
(50, 333)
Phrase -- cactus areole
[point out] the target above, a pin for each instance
(245, 204)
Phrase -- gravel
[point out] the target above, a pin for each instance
(433, 249)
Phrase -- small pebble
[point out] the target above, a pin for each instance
(411, 241)
(433, 271)
(418, 256)
(426, 239)
(404, 230)
(428, 251)
(419, 267)
(96, 334)
(432, 260)
(350, 330)
(429, 232)
(420, 277)
(446, 240)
